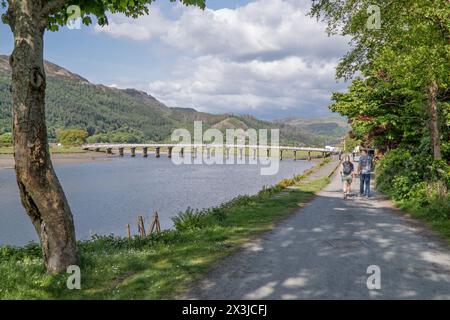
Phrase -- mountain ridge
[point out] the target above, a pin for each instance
(128, 115)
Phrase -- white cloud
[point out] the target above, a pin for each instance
(143, 29)
(260, 58)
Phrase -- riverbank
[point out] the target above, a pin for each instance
(7, 160)
(159, 266)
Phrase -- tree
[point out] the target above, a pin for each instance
(40, 189)
(72, 137)
(409, 48)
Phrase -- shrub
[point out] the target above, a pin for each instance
(72, 137)
(6, 139)
(190, 220)
(416, 182)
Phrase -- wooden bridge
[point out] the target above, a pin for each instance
(108, 147)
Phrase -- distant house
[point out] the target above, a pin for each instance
(331, 149)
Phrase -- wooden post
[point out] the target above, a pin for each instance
(309, 155)
(155, 223)
(128, 231)
(295, 155)
(170, 152)
(141, 227)
(121, 151)
(133, 152)
(182, 152)
(145, 152)
(158, 152)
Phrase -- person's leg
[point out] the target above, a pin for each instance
(367, 187)
(345, 188)
(361, 184)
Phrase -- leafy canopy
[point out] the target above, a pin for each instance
(58, 12)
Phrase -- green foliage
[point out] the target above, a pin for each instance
(6, 139)
(416, 182)
(398, 62)
(60, 11)
(72, 137)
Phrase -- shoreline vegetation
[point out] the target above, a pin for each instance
(159, 266)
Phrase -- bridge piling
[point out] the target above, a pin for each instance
(133, 152)
(121, 151)
(295, 155)
(309, 155)
(170, 152)
(158, 152)
(145, 152)
(182, 153)
(281, 154)
(108, 150)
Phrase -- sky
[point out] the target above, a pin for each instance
(266, 58)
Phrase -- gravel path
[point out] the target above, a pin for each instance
(323, 252)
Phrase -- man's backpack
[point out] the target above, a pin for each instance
(348, 167)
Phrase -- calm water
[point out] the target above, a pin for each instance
(106, 195)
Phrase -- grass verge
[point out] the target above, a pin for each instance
(434, 214)
(158, 266)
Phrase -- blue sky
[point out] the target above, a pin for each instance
(262, 57)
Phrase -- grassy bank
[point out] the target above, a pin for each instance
(158, 266)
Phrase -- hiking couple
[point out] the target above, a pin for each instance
(364, 170)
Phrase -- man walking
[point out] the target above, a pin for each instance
(364, 170)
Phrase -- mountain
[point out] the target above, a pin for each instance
(330, 129)
(129, 115)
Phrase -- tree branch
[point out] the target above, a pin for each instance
(53, 5)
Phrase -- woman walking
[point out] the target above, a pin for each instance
(347, 173)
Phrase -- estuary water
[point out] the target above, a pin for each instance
(107, 195)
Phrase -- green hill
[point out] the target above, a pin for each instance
(110, 114)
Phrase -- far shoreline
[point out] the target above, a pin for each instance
(7, 160)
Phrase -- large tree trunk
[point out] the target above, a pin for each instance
(40, 190)
(433, 120)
